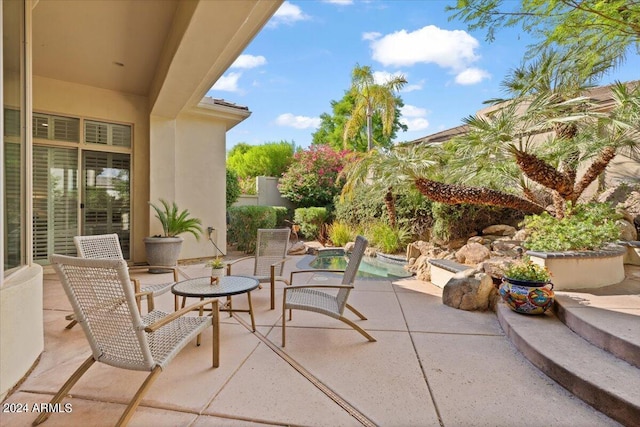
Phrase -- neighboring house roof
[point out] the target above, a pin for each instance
(601, 96)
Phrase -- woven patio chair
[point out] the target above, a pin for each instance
(107, 246)
(314, 298)
(269, 258)
(104, 303)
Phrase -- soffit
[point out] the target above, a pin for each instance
(84, 41)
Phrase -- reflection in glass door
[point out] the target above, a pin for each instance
(106, 202)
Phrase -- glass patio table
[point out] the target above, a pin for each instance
(226, 286)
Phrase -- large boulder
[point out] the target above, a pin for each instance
(469, 290)
(473, 253)
(499, 230)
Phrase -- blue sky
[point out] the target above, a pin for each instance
(303, 58)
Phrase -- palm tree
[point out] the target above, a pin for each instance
(370, 99)
(548, 98)
(385, 170)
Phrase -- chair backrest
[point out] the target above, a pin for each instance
(104, 304)
(349, 276)
(98, 246)
(271, 247)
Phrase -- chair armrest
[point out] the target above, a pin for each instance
(283, 260)
(313, 271)
(175, 270)
(173, 316)
(290, 288)
(150, 301)
(229, 264)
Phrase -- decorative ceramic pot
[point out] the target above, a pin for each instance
(216, 274)
(527, 297)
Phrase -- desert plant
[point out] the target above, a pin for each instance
(340, 233)
(388, 239)
(174, 222)
(585, 227)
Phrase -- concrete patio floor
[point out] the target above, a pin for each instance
(431, 366)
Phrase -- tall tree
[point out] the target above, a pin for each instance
(269, 159)
(331, 130)
(371, 99)
(602, 30)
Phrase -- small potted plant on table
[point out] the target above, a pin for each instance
(217, 269)
(526, 287)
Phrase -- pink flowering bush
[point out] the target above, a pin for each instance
(311, 179)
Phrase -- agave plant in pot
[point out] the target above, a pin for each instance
(164, 249)
(526, 287)
(217, 266)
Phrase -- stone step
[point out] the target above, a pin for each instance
(596, 376)
(613, 329)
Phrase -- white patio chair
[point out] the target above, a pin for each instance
(107, 246)
(104, 304)
(269, 259)
(314, 298)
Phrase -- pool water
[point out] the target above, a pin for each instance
(335, 259)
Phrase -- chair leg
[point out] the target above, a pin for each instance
(284, 321)
(215, 318)
(73, 379)
(72, 318)
(356, 312)
(357, 328)
(133, 405)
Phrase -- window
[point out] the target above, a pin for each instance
(13, 191)
(56, 128)
(107, 134)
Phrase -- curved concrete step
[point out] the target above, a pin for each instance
(613, 329)
(607, 383)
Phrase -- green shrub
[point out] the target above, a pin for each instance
(282, 215)
(389, 240)
(311, 221)
(585, 227)
(244, 222)
(340, 233)
(525, 269)
(233, 187)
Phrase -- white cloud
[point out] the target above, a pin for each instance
(430, 44)
(249, 61)
(287, 14)
(414, 117)
(381, 77)
(471, 76)
(413, 87)
(371, 36)
(339, 2)
(413, 111)
(298, 122)
(228, 82)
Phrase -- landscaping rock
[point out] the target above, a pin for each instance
(297, 248)
(500, 230)
(469, 290)
(628, 231)
(472, 254)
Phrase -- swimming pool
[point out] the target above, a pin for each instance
(371, 267)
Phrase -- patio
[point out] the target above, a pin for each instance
(432, 365)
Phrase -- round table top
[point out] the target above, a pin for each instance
(226, 286)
